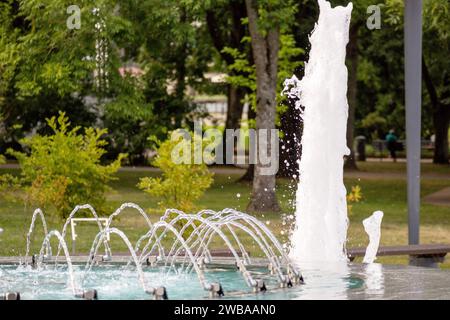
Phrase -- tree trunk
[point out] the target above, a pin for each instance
(441, 119)
(352, 55)
(250, 173)
(265, 53)
(290, 148)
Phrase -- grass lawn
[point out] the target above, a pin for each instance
(387, 194)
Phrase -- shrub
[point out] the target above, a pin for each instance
(181, 184)
(354, 196)
(64, 169)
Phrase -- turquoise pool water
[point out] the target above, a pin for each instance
(331, 282)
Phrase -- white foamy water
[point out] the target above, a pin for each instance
(321, 216)
(372, 226)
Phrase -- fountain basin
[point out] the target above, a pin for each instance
(114, 280)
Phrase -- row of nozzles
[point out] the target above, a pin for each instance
(190, 250)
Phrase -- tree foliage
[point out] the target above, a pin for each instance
(46, 67)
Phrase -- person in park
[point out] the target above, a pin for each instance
(392, 145)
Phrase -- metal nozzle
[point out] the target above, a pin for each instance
(260, 286)
(151, 261)
(88, 295)
(216, 290)
(10, 296)
(160, 293)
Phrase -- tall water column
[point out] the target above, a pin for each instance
(321, 214)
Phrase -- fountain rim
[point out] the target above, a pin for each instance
(118, 259)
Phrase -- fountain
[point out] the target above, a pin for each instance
(321, 214)
(175, 256)
(40, 214)
(94, 214)
(190, 251)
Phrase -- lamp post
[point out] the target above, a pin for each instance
(413, 101)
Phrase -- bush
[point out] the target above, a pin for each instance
(63, 170)
(354, 196)
(181, 184)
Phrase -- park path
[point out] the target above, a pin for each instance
(240, 171)
(440, 198)
(393, 175)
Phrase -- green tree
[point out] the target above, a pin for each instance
(227, 27)
(174, 49)
(265, 20)
(183, 183)
(436, 72)
(380, 76)
(435, 66)
(46, 67)
(243, 74)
